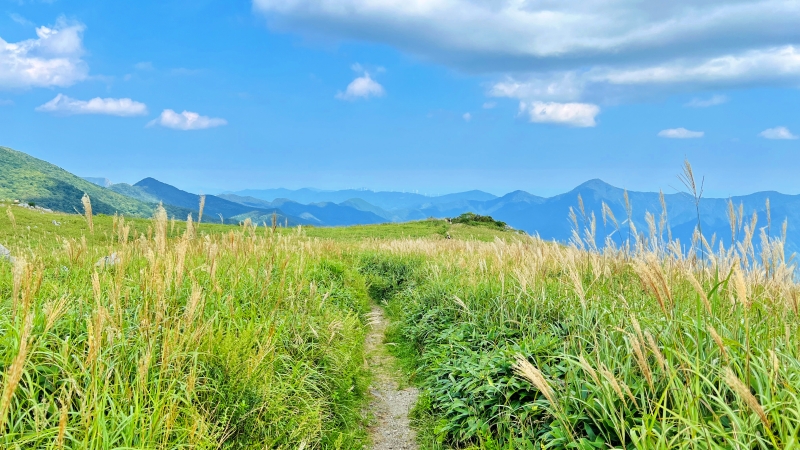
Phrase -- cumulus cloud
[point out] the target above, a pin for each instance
(467, 117)
(123, 107)
(572, 114)
(777, 133)
(584, 51)
(186, 121)
(363, 86)
(705, 103)
(52, 59)
(680, 133)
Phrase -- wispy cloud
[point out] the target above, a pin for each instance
(144, 65)
(572, 114)
(467, 117)
(4, 102)
(705, 103)
(680, 133)
(123, 107)
(186, 120)
(52, 59)
(20, 20)
(777, 133)
(489, 105)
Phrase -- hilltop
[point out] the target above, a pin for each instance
(33, 180)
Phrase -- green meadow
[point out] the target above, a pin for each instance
(123, 332)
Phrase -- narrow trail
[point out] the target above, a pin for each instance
(389, 405)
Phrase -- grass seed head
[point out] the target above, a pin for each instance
(526, 370)
(744, 393)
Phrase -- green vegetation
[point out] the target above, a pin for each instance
(473, 219)
(217, 336)
(36, 182)
(250, 337)
(536, 345)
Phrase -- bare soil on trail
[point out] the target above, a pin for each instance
(389, 406)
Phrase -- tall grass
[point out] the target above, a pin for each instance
(243, 339)
(252, 337)
(650, 345)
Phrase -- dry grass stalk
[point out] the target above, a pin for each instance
(588, 369)
(160, 225)
(700, 291)
(650, 281)
(526, 370)
(189, 234)
(53, 311)
(62, 422)
(14, 373)
(637, 344)
(461, 303)
(577, 283)
(612, 380)
(718, 340)
(87, 211)
(194, 304)
(744, 393)
(200, 210)
(11, 217)
(180, 254)
(651, 342)
(96, 287)
(741, 287)
(21, 274)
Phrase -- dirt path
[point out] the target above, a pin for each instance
(389, 406)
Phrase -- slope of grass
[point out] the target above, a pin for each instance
(32, 180)
(536, 345)
(222, 336)
(248, 337)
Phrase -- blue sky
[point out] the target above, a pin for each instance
(432, 96)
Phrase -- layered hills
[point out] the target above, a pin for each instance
(32, 180)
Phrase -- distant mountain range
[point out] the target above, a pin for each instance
(29, 179)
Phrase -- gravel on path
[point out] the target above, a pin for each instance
(389, 405)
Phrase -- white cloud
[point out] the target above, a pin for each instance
(705, 103)
(362, 87)
(52, 59)
(514, 31)
(586, 51)
(777, 133)
(4, 102)
(186, 121)
(680, 133)
(467, 117)
(123, 107)
(773, 65)
(489, 105)
(769, 64)
(572, 114)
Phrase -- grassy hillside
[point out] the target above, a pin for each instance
(32, 180)
(236, 337)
